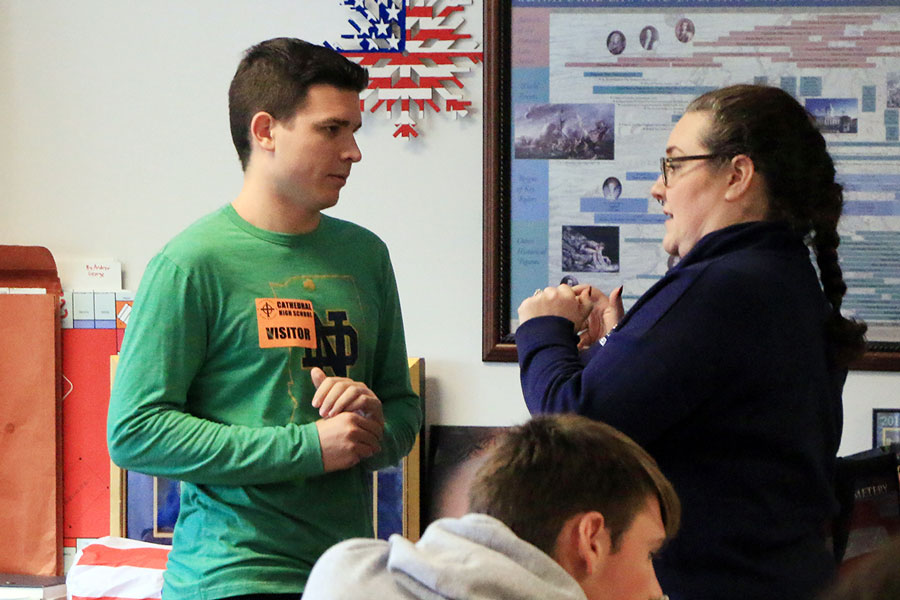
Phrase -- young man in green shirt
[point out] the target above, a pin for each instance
(264, 365)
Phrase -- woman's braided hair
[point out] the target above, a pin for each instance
(781, 138)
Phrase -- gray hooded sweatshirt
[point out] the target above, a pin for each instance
(475, 557)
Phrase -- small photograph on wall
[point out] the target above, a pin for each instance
(612, 188)
(684, 30)
(885, 427)
(564, 131)
(649, 36)
(590, 248)
(455, 454)
(834, 115)
(893, 89)
(615, 42)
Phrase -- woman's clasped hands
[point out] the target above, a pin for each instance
(593, 313)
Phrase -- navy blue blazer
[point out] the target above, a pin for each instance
(721, 370)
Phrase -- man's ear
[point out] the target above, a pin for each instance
(743, 175)
(593, 541)
(261, 131)
(583, 547)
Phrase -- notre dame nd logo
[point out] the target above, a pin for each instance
(337, 344)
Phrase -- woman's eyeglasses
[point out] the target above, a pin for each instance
(665, 163)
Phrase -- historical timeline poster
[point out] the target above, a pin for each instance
(596, 87)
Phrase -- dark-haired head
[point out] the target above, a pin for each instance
(781, 138)
(274, 77)
(542, 473)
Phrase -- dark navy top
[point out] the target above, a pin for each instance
(721, 371)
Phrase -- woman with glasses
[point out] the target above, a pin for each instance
(729, 370)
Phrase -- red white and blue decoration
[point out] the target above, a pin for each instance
(414, 53)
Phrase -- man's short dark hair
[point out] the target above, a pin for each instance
(554, 467)
(274, 77)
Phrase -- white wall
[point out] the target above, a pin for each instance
(115, 137)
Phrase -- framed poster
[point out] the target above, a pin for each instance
(885, 427)
(143, 507)
(580, 96)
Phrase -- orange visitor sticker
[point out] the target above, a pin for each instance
(284, 323)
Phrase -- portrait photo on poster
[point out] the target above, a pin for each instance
(684, 30)
(649, 36)
(615, 42)
(612, 188)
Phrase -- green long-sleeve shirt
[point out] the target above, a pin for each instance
(199, 398)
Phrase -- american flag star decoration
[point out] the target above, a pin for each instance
(414, 53)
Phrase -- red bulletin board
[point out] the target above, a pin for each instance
(85, 365)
